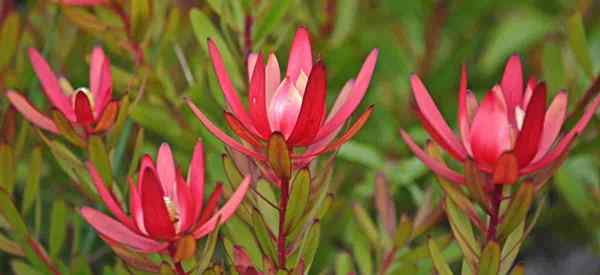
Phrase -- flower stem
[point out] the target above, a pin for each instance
(179, 269)
(283, 202)
(496, 198)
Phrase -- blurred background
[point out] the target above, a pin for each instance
(163, 58)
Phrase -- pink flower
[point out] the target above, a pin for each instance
(294, 106)
(90, 110)
(512, 119)
(163, 207)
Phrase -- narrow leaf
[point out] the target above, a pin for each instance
(489, 262)
(438, 259)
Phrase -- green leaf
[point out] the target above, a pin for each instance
(404, 231)
(99, 157)
(510, 249)
(208, 251)
(139, 15)
(272, 18)
(553, 68)
(33, 180)
(298, 201)
(454, 193)
(241, 234)
(265, 203)
(66, 129)
(204, 29)
(117, 128)
(490, 259)
(18, 228)
(343, 264)
(466, 269)
(9, 38)
(438, 259)
(366, 224)
(463, 233)
(21, 268)
(7, 168)
(578, 42)
(234, 176)
(58, 227)
(361, 153)
(308, 248)
(137, 151)
(360, 250)
(263, 236)
(531, 24)
(10, 247)
(573, 190)
(422, 251)
(344, 21)
(517, 210)
(79, 265)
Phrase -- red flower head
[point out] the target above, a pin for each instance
(90, 110)
(164, 207)
(511, 125)
(294, 107)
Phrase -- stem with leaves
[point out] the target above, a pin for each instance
(496, 199)
(283, 202)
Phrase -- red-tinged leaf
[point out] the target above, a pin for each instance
(385, 204)
(221, 135)
(83, 109)
(300, 55)
(50, 84)
(108, 117)
(236, 126)
(506, 170)
(9, 127)
(528, 141)
(30, 112)
(211, 204)
(312, 111)
(512, 85)
(156, 216)
(134, 259)
(116, 231)
(185, 248)
(278, 155)
(345, 137)
(257, 101)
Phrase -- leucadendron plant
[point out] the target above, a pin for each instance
(285, 128)
(509, 146)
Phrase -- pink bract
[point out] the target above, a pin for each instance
(163, 207)
(294, 106)
(84, 108)
(511, 118)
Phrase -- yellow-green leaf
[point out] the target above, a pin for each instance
(517, 210)
(58, 227)
(99, 157)
(7, 168)
(9, 38)
(439, 262)
(578, 42)
(300, 187)
(489, 262)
